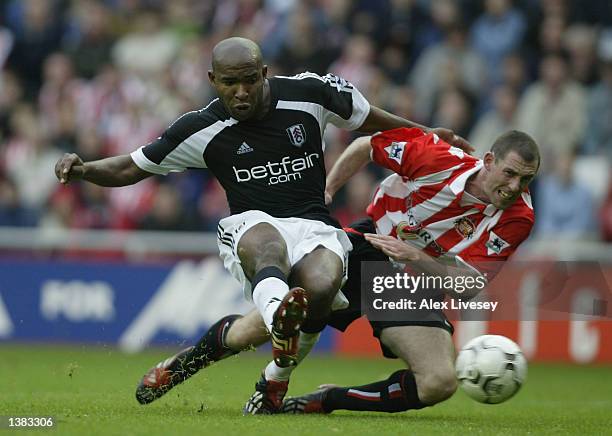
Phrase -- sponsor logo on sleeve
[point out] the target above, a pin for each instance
(495, 244)
(396, 151)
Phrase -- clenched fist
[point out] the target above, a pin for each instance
(69, 167)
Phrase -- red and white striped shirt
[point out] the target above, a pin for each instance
(425, 197)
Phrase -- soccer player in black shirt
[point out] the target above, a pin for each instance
(263, 140)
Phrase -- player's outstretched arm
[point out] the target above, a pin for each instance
(112, 171)
(379, 120)
(356, 155)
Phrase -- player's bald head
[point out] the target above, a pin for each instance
(236, 51)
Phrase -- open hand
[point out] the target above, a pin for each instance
(394, 248)
(449, 136)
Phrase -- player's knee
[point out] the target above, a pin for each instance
(322, 288)
(436, 386)
(256, 256)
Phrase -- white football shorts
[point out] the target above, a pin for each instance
(301, 236)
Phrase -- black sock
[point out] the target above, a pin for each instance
(313, 325)
(210, 348)
(396, 394)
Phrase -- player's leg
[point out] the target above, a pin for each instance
(263, 255)
(320, 274)
(226, 337)
(429, 355)
(317, 256)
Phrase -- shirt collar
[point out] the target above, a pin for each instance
(458, 187)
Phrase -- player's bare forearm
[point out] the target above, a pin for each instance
(355, 157)
(111, 172)
(430, 266)
(379, 120)
(114, 171)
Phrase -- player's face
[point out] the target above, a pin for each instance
(240, 88)
(507, 178)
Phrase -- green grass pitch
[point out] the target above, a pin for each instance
(90, 391)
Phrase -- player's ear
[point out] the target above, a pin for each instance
(211, 77)
(488, 160)
(264, 71)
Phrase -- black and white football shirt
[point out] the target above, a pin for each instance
(274, 164)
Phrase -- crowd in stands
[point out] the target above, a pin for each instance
(103, 77)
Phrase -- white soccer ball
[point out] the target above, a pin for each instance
(491, 368)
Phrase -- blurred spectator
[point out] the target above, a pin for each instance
(406, 22)
(28, 158)
(402, 103)
(167, 213)
(213, 205)
(236, 17)
(189, 72)
(37, 33)
(441, 15)
(304, 47)
(580, 40)
(605, 216)
(514, 73)
(61, 209)
(552, 110)
(148, 48)
(451, 62)
(357, 196)
(61, 101)
(6, 44)
(394, 63)
(598, 138)
(549, 40)
(380, 90)
(565, 207)
(496, 33)
(12, 213)
(11, 93)
(356, 62)
(454, 111)
(498, 120)
(90, 39)
(133, 126)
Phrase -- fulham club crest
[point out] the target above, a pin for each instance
(297, 135)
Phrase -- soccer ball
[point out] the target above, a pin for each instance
(491, 368)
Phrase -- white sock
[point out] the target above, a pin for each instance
(276, 373)
(306, 342)
(267, 296)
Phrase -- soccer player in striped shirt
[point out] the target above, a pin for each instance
(443, 213)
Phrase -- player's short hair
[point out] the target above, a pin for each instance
(520, 142)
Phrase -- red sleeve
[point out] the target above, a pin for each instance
(496, 245)
(412, 153)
